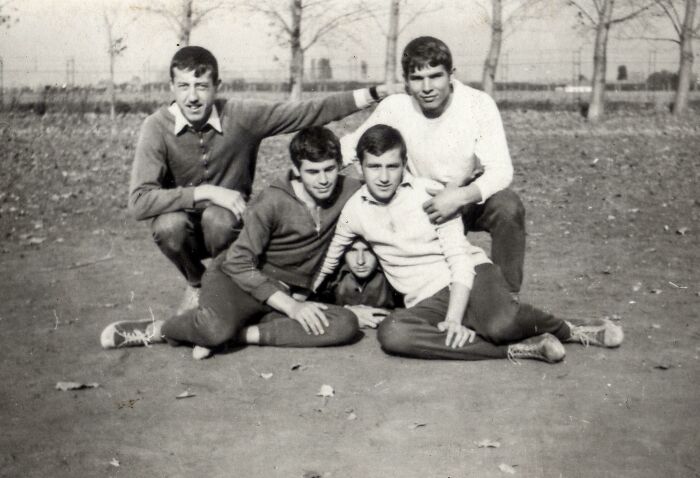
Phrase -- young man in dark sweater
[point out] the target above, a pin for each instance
(195, 159)
(256, 292)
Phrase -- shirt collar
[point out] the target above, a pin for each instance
(407, 181)
(181, 122)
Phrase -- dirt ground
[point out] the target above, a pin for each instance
(613, 214)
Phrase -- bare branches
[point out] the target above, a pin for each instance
(583, 14)
(632, 14)
(182, 16)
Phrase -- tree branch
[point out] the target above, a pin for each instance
(583, 12)
(631, 15)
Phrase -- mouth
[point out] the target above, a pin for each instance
(323, 190)
(194, 108)
(428, 99)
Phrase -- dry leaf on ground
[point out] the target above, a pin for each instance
(65, 386)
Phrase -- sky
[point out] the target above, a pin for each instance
(52, 35)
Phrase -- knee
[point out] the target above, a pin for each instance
(344, 327)
(219, 226)
(170, 230)
(507, 206)
(212, 330)
(394, 336)
(501, 329)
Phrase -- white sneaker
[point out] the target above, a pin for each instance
(129, 333)
(545, 347)
(601, 332)
(190, 300)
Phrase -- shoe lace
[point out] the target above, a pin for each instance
(135, 337)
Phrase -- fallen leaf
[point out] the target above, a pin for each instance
(326, 391)
(352, 416)
(312, 474)
(65, 386)
(114, 462)
(655, 291)
(266, 376)
(185, 394)
(486, 443)
(682, 231)
(36, 240)
(296, 366)
(655, 326)
(636, 287)
(506, 469)
(663, 366)
(415, 425)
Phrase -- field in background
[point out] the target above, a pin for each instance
(612, 231)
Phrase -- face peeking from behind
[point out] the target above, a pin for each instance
(383, 174)
(361, 260)
(319, 178)
(194, 95)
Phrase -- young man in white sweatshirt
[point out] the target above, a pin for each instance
(458, 305)
(455, 136)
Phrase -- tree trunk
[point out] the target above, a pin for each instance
(685, 69)
(186, 26)
(488, 79)
(296, 65)
(597, 105)
(391, 39)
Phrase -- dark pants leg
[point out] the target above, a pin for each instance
(492, 313)
(224, 309)
(503, 216)
(188, 237)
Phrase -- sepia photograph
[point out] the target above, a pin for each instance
(350, 238)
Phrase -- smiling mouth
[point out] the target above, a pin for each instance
(428, 99)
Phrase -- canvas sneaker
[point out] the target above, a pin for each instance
(600, 332)
(544, 347)
(129, 333)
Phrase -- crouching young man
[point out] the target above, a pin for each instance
(459, 305)
(256, 292)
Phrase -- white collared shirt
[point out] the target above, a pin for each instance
(418, 257)
(181, 122)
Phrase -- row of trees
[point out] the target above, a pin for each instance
(300, 24)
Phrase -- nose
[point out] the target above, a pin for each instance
(427, 84)
(323, 178)
(192, 94)
(384, 176)
(360, 258)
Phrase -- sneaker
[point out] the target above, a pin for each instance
(190, 300)
(544, 347)
(201, 353)
(129, 333)
(601, 332)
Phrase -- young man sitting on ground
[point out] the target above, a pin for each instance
(256, 292)
(459, 305)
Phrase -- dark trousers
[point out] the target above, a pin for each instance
(496, 317)
(224, 309)
(503, 216)
(188, 237)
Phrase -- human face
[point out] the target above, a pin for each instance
(194, 95)
(361, 260)
(383, 174)
(432, 89)
(319, 178)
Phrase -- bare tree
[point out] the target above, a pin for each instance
(504, 18)
(182, 16)
(395, 27)
(601, 15)
(685, 30)
(302, 24)
(115, 47)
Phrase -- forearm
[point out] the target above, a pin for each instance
(470, 194)
(147, 202)
(281, 302)
(457, 306)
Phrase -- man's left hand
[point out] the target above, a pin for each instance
(457, 334)
(445, 205)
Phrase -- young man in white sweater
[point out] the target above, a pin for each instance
(455, 136)
(458, 303)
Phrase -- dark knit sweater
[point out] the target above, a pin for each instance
(167, 167)
(280, 240)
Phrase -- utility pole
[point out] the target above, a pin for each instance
(2, 85)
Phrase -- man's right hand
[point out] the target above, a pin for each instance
(311, 316)
(227, 198)
(368, 316)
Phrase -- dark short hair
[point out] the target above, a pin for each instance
(315, 144)
(379, 139)
(195, 58)
(425, 51)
